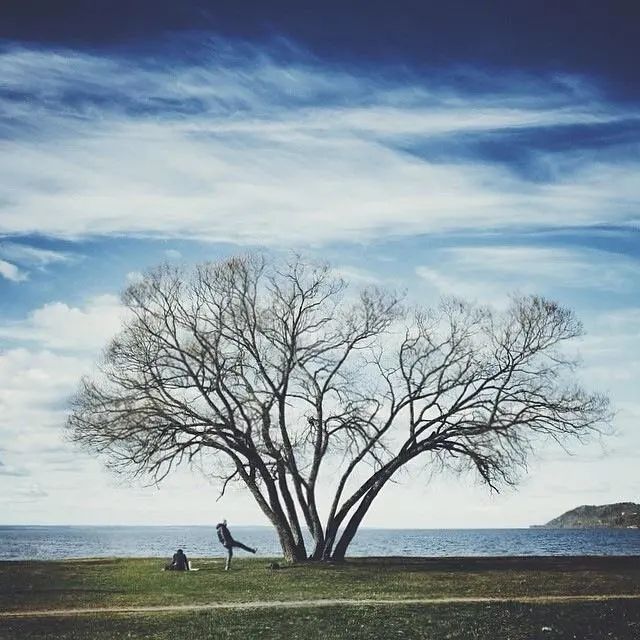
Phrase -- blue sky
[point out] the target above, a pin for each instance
(473, 150)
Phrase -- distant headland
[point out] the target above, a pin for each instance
(619, 515)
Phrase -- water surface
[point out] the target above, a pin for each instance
(56, 542)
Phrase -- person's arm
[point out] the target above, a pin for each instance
(187, 562)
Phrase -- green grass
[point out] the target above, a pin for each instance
(30, 586)
(120, 582)
(613, 620)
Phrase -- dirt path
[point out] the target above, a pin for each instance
(299, 604)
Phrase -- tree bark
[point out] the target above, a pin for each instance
(356, 519)
(291, 551)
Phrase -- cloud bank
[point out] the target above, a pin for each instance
(245, 147)
(251, 145)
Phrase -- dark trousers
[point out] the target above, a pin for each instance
(230, 546)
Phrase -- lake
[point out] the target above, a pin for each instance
(58, 542)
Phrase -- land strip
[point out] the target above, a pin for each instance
(310, 604)
(364, 599)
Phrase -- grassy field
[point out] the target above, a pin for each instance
(611, 620)
(31, 586)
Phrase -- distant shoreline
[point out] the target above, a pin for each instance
(596, 527)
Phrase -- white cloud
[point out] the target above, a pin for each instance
(14, 256)
(490, 273)
(37, 383)
(604, 289)
(611, 351)
(448, 283)
(34, 492)
(45, 479)
(232, 150)
(133, 277)
(38, 468)
(11, 272)
(56, 325)
(33, 400)
(32, 256)
(255, 163)
(357, 275)
(10, 470)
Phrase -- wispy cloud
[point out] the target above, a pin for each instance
(489, 273)
(28, 255)
(10, 470)
(249, 146)
(246, 148)
(32, 493)
(18, 259)
(612, 357)
(11, 272)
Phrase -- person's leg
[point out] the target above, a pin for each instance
(243, 546)
(229, 556)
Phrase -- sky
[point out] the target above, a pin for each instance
(473, 149)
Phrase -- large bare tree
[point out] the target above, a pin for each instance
(282, 378)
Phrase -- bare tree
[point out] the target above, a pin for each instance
(280, 378)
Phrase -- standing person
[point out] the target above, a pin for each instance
(227, 541)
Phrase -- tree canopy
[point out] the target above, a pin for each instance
(280, 377)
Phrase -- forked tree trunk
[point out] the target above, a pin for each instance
(356, 519)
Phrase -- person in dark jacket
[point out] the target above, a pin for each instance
(179, 562)
(227, 541)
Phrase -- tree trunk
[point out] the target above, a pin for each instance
(293, 521)
(330, 538)
(319, 546)
(356, 519)
(292, 544)
(291, 551)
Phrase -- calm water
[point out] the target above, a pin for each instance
(25, 542)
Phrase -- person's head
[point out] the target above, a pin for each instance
(180, 552)
(224, 522)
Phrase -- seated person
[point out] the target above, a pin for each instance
(179, 562)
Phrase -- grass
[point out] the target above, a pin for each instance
(140, 582)
(29, 586)
(613, 620)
